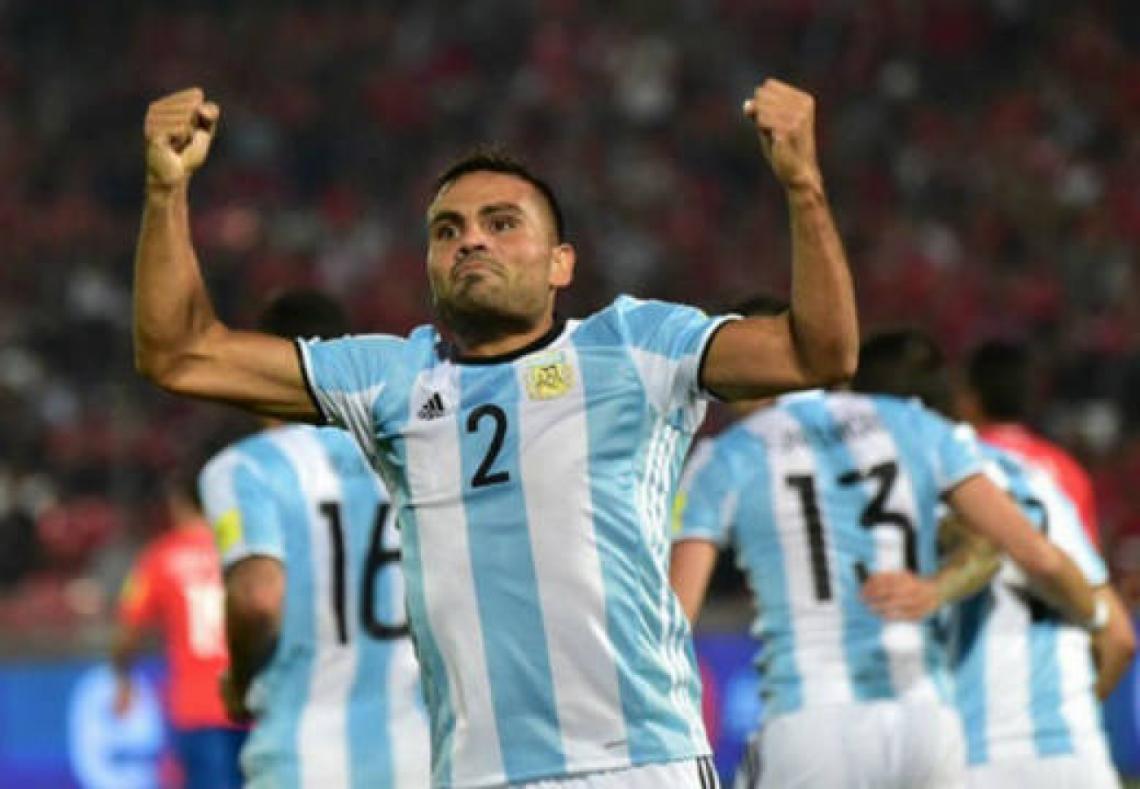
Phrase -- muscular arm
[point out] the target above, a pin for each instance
(984, 509)
(179, 342)
(255, 592)
(816, 343)
(690, 568)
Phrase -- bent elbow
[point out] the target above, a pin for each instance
(148, 366)
(160, 369)
(837, 367)
(846, 366)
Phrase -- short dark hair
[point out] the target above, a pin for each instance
(904, 363)
(495, 159)
(303, 313)
(760, 305)
(999, 373)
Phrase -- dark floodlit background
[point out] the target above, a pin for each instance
(982, 158)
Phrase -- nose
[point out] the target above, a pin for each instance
(471, 243)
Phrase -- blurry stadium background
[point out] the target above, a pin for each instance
(982, 159)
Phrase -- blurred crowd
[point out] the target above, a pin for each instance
(982, 158)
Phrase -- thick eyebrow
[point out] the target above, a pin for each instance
(487, 210)
(495, 208)
(445, 216)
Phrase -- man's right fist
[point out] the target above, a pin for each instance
(179, 129)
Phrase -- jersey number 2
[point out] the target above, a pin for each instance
(377, 559)
(483, 475)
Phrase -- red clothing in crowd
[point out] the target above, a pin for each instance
(177, 584)
(1058, 463)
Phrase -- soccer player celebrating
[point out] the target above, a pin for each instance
(321, 660)
(816, 491)
(531, 461)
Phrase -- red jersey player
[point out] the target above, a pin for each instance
(176, 585)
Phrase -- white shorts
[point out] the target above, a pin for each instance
(1068, 771)
(685, 774)
(870, 745)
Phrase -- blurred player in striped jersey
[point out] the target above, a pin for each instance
(995, 397)
(814, 491)
(531, 460)
(1028, 679)
(315, 619)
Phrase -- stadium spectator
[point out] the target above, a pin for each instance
(321, 659)
(981, 157)
(176, 586)
(531, 458)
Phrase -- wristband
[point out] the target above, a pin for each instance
(1099, 619)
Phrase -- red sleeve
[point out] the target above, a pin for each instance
(138, 600)
(1086, 504)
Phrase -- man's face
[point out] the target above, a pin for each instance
(492, 251)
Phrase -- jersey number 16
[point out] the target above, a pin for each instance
(378, 558)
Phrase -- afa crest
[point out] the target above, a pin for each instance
(550, 377)
(228, 529)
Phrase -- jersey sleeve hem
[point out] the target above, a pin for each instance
(237, 555)
(712, 331)
(307, 378)
(960, 477)
(698, 535)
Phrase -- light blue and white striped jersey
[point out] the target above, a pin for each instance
(533, 493)
(339, 703)
(1025, 677)
(813, 492)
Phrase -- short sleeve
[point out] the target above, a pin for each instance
(706, 501)
(668, 342)
(241, 508)
(345, 376)
(138, 598)
(956, 453)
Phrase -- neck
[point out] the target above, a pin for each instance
(477, 341)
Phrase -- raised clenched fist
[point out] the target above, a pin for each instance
(179, 129)
(785, 119)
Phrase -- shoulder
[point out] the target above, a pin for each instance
(360, 357)
(240, 453)
(255, 459)
(641, 314)
(910, 413)
(737, 448)
(1001, 466)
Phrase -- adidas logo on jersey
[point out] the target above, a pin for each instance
(432, 407)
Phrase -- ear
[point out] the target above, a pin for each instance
(562, 263)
